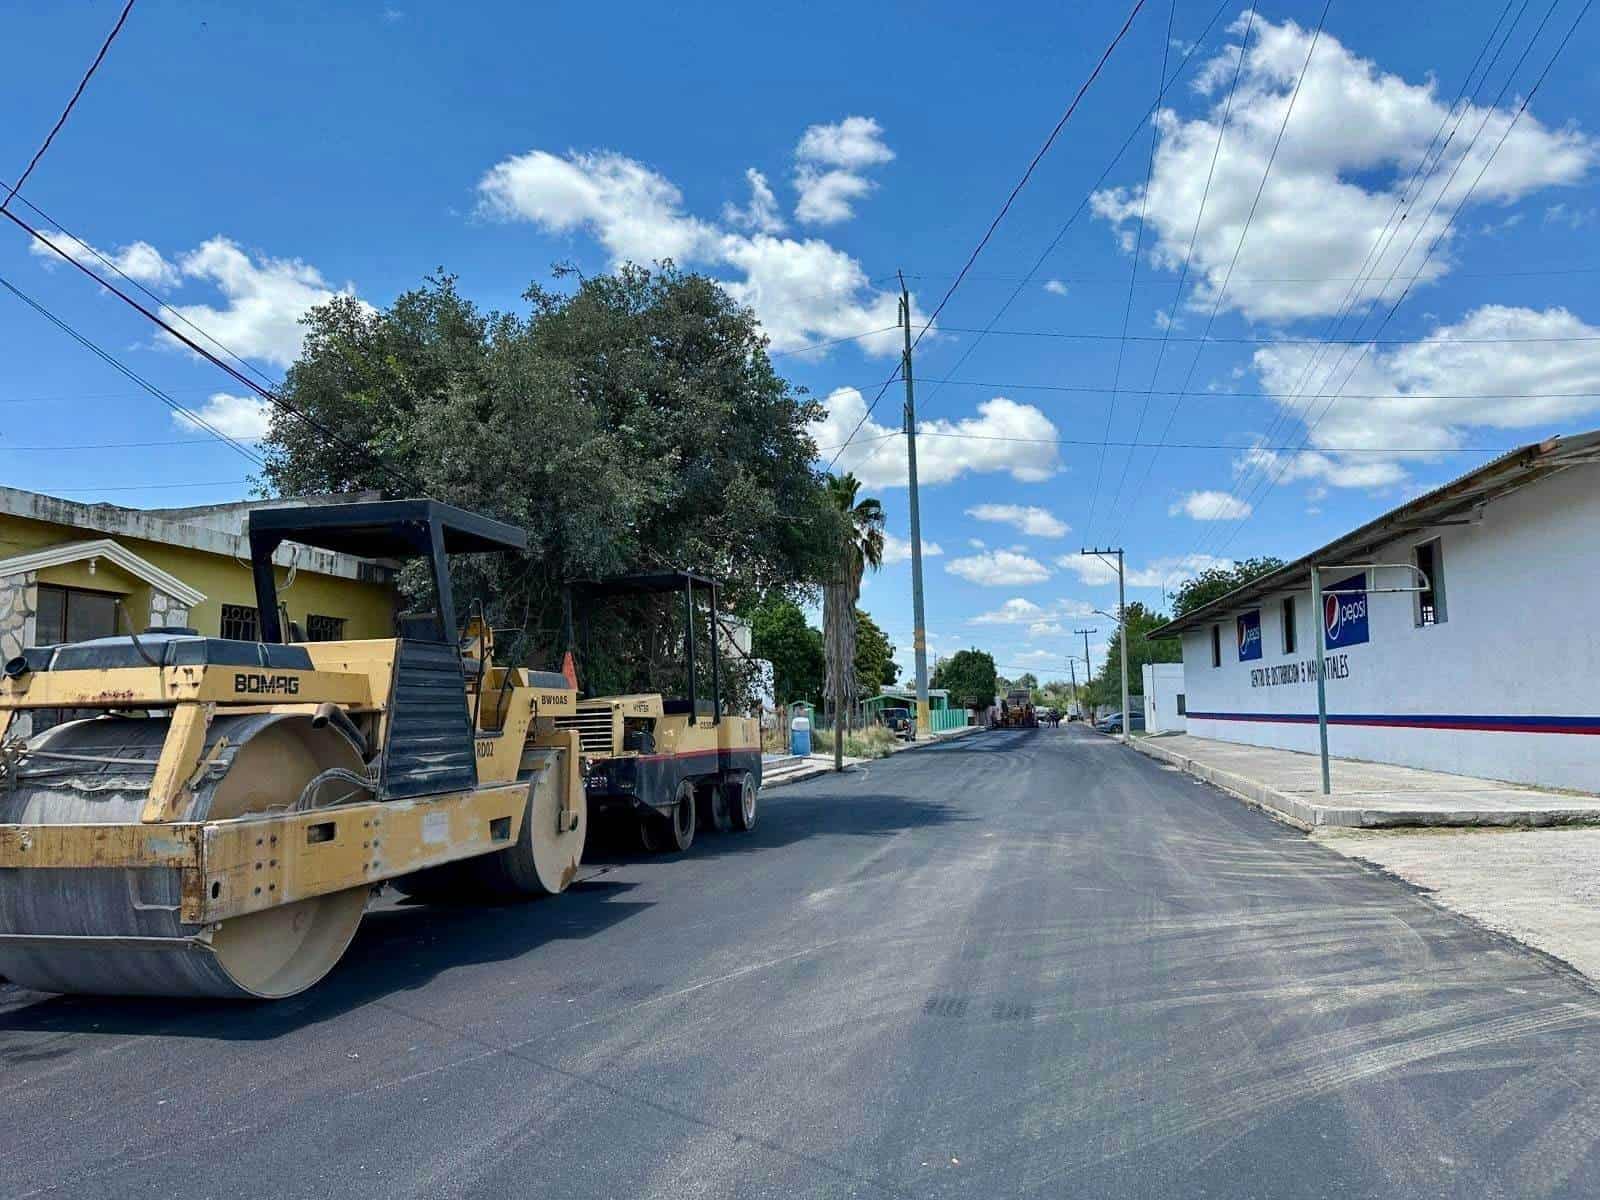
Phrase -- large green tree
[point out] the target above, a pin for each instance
(1106, 687)
(627, 422)
(874, 662)
(1219, 581)
(970, 677)
(779, 634)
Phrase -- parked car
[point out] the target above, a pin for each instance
(1113, 723)
(901, 723)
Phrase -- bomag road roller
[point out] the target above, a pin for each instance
(217, 823)
(669, 765)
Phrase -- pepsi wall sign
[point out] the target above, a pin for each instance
(1250, 636)
(1344, 612)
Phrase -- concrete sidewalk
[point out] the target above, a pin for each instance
(794, 769)
(1365, 795)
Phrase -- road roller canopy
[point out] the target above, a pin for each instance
(393, 529)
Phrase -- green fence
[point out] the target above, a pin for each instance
(942, 719)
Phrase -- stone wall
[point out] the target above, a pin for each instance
(166, 611)
(19, 603)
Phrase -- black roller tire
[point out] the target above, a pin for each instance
(742, 794)
(681, 827)
(716, 800)
(653, 833)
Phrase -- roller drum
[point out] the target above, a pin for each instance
(119, 931)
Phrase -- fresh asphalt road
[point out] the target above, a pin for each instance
(1017, 964)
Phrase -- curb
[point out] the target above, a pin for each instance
(1308, 816)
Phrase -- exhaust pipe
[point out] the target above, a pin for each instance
(329, 713)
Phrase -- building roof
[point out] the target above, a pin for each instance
(210, 529)
(1492, 481)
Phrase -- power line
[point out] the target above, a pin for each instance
(1238, 248)
(1428, 163)
(8, 448)
(1083, 204)
(129, 373)
(71, 104)
(1000, 216)
(1102, 389)
(270, 396)
(1149, 281)
(1236, 447)
(1138, 246)
(1510, 125)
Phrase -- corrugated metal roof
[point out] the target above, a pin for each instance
(1498, 477)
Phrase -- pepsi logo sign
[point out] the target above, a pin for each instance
(1249, 636)
(1344, 612)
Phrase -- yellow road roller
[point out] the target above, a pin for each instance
(216, 816)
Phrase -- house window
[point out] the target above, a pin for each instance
(241, 623)
(1288, 625)
(324, 629)
(68, 614)
(1183, 706)
(1216, 645)
(1430, 600)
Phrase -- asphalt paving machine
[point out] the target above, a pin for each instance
(217, 822)
(667, 764)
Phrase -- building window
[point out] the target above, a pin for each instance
(324, 629)
(1288, 625)
(241, 623)
(68, 614)
(1216, 645)
(1430, 600)
(1183, 705)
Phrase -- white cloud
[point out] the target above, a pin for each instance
(1055, 287)
(1484, 372)
(139, 261)
(1046, 629)
(804, 290)
(945, 449)
(852, 143)
(266, 297)
(1020, 611)
(1029, 519)
(243, 417)
(761, 214)
(1210, 506)
(1164, 571)
(1351, 146)
(999, 568)
(898, 550)
(977, 543)
(830, 161)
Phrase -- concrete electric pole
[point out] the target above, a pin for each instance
(919, 632)
(1122, 627)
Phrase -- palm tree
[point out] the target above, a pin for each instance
(861, 546)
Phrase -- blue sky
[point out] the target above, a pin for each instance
(245, 161)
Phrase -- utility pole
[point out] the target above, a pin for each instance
(1122, 626)
(1088, 663)
(1072, 665)
(919, 632)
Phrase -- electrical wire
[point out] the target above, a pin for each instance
(128, 373)
(267, 394)
(1000, 216)
(71, 104)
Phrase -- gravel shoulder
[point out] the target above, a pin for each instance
(1539, 886)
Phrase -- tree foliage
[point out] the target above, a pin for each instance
(779, 633)
(874, 661)
(632, 422)
(1219, 581)
(859, 522)
(970, 677)
(1106, 687)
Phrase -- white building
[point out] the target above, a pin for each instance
(1165, 701)
(1493, 671)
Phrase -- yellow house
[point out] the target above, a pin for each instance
(72, 571)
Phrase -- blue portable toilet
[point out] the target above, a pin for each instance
(800, 735)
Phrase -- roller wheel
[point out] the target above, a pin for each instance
(680, 829)
(147, 949)
(714, 801)
(542, 863)
(741, 795)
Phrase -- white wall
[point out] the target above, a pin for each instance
(1163, 685)
(1519, 641)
